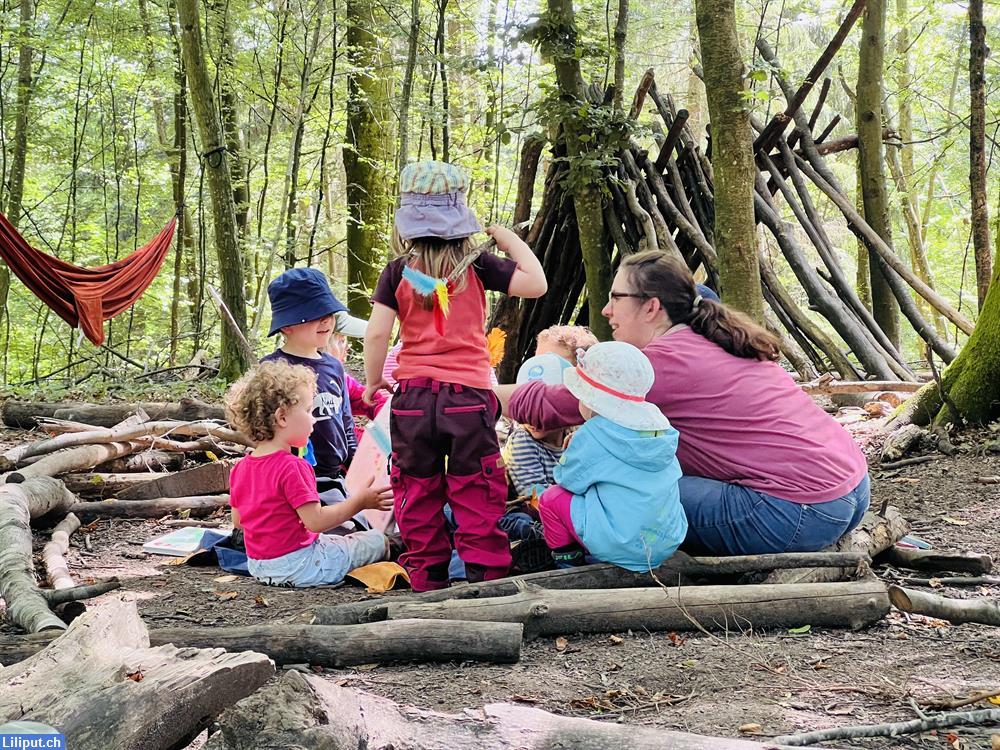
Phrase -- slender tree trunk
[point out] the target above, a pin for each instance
(587, 199)
(283, 14)
(873, 181)
(977, 148)
(19, 156)
(732, 156)
(407, 93)
(323, 171)
(621, 35)
(368, 155)
(215, 162)
(443, 72)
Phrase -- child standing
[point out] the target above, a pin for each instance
(305, 311)
(273, 492)
(616, 494)
(444, 408)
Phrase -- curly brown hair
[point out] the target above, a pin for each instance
(252, 402)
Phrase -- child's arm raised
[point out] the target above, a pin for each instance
(376, 348)
(528, 280)
(319, 518)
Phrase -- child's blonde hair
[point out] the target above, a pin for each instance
(252, 402)
(434, 256)
(569, 338)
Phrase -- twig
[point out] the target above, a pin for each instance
(893, 729)
(668, 701)
(956, 581)
(230, 321)
(909, 462)
(75, 594)
(945, 397)
(979, 695)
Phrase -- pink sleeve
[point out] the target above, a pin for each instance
(358, 406)
(298, 483)
(547, 407)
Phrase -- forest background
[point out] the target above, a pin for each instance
(320, 101)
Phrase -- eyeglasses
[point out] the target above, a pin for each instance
(613, 296)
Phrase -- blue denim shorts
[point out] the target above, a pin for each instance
(728, 519)
(323, 563)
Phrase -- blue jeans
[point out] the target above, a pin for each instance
(727, 519)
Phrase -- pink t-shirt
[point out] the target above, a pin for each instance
(741, 421)
(265, 491)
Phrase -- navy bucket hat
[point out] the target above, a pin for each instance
(303, 294)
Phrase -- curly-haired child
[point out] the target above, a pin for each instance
(273, 491)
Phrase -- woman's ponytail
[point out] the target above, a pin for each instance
(666, 278)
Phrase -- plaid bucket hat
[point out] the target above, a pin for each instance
(432, 202)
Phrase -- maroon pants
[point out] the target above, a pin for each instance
(432, 421)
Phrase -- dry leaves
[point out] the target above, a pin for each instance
(561, 643)
(136, 676)
(750, 728)
(226, 595)
(259, 601)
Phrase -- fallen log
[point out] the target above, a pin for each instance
(103, 686)
(206, 479)
(54, 553)
(552, 611)
(333, 646)
(935, 560)
(24, 414)
(875, 534)
(955, 611)
(123, 434)
(26, 606)
(104, 484)
(73, 459)
(302, 710)
(199, 505)
(860, 386)
(679, 569)
(79, 593)
(900, 441)
(143, 462)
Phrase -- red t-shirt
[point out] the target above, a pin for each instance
(461, 355)
(266, 490)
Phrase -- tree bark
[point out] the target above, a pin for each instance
(104, 687)
(74, 459)
(955, 611)
(554, 611)
(367, 155)
(25, 87)
(587, 199)
(978, 52)
(206, 479)
(679, 569)
(407, 93)
(620, 37)
(870, 160)
(199, 505)
(54, 553)
(106, 485)
(935, 560)
(732, 157)
(301, 710)
(216, 163)
(24, 414)
(26, 606)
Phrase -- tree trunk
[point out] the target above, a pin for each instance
(23, 414)
(202, 505)
(216, 163)
(12, 208)
(54, 553)
(407, 93)
(19, 504)
(732, 157)
(587, 199)
(303, 710)
(206, 479)
(367, 155)
(555, 611)
(621, 35)
(976, 563)
(977, 149)
(955, 611)
(104, 687)
(870, 160)
(103, 485)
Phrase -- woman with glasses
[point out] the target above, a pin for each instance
(765, 468)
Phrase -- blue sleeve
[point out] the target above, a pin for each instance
(575, 471)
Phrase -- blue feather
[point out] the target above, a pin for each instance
(422, 284)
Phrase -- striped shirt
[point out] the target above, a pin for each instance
(529, 462)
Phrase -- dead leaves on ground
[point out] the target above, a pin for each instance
(624, 699)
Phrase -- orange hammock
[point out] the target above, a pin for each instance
(84, 297)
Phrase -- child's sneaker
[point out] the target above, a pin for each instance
(530, 556)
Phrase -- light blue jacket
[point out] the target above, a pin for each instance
(626, 506)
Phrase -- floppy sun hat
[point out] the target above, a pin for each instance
(612, 379)
(303, 294)
(432, 202)
(547, 368)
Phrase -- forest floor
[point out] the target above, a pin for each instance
(708, 684)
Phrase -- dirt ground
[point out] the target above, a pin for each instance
(689, 681)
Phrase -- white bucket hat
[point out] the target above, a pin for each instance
(547, 368)
(612, 379)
